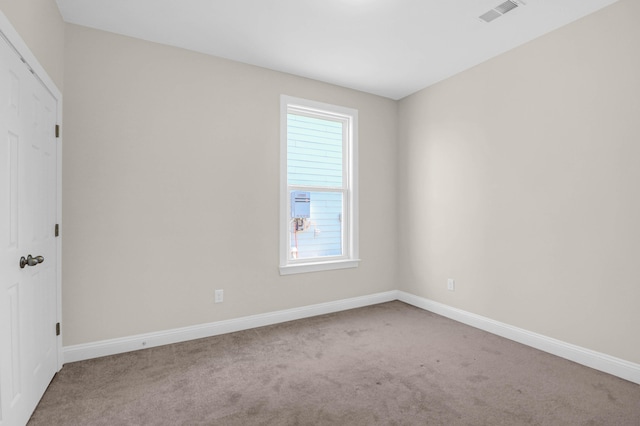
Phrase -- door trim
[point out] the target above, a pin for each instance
(14, 39)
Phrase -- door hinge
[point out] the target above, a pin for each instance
(57, 329)
(57, 130)
(56, 232)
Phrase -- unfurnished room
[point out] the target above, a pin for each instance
(346, 212)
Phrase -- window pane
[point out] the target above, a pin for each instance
(322, 232)
(314, 151)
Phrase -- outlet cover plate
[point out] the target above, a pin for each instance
(451, 284)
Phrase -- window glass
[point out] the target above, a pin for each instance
(314, 151)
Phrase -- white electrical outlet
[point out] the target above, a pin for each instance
(451, 284)
(219, 296)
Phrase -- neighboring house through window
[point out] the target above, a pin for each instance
(318, 194)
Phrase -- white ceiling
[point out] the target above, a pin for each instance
(390, 48)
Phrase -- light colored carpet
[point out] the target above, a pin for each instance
(389, 364)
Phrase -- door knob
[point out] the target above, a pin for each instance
(30, 261)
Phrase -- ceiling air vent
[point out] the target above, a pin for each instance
(490, 16)
(500, 10)
(506, 6)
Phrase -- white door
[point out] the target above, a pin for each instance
(28, 191)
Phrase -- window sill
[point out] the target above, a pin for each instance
(301, 268)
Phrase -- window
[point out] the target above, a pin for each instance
(318, 194)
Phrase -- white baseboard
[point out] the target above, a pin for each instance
(596, 360)
(149, 340)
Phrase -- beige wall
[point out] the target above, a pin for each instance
(41, 27)
(520, 179)
(171, 189)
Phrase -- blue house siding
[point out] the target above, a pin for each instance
(314, 151)
(314, 158)
(323, 237)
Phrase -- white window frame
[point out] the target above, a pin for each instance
(350, 254)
